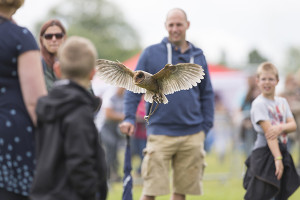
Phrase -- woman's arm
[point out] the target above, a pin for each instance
(274, 147)
(31, 80)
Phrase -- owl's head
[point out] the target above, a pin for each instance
(138, 77)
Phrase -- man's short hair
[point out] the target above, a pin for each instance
(177, 9)
(77, 57)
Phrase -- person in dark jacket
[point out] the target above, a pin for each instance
(70, 160)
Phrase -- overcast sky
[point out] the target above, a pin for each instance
(233, 26)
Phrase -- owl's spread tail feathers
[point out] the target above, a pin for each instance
(158, 98)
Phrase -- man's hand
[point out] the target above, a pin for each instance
(127, 128)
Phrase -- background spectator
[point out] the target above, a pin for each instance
(52, 35)
(110, 133)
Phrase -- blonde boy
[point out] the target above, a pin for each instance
(77, 61)
(271, 171)
(70, 160)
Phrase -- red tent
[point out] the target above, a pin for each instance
(213, 69)
(132, 62)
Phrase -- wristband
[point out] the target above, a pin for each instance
(278, 158)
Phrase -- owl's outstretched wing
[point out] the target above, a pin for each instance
(117, 74)
(182, 76)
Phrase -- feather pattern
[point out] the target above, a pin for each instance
(170, 79)
(182, 76)
(117, 74)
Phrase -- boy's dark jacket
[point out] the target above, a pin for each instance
(260, 180)
(70, 160)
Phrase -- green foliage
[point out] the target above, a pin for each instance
(292, 60)
(254, 57)
(101, 22)
(223, 58)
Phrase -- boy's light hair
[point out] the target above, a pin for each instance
(267, 67)
(77, 57)
(16, 4)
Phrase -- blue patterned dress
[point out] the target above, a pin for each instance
(16, 128)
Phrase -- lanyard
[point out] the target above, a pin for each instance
(169, 48)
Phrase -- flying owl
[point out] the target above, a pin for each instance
(170, 79)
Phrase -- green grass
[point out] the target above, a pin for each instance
(222, 180)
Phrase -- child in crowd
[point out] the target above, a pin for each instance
(70, 159)
(271, 173)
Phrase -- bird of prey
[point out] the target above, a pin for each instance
(170, 79)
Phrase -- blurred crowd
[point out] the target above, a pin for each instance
(107, 122)
(232, 129)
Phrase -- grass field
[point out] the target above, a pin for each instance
(222, 180)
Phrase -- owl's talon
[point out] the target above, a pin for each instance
(160, 100)
(146, 117)
(155, 98)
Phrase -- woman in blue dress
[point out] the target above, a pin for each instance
(21, 84)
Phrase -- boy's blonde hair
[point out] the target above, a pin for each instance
(77, 57)
(16, 4)
(267, 67)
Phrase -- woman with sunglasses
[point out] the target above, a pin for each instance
(52, 35)
(21, 84)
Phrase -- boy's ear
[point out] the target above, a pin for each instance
(56, 69)
(93, 72)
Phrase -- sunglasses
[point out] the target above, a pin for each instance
(50, 36)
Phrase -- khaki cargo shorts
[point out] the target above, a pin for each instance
(185, 155)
